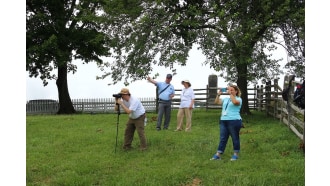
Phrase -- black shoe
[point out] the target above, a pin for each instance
(165, 128)
(158, 129)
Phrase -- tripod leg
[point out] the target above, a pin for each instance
(117, 133)
(118, 113)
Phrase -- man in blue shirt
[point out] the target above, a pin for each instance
(165, 94)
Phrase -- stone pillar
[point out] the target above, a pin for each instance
(211, 90)
(213, 86)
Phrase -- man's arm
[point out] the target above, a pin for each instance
(151, 80)
(120, 102)
(172, 95)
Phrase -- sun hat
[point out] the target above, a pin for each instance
(186, 81)
(124, 91)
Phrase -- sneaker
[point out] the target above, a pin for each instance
(234, 158)
(158, 129)
(215, 157)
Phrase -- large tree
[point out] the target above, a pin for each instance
(236, 36)
(293, 32)
(57, 32)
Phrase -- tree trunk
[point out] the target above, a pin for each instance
(242, 84)
(66, 106)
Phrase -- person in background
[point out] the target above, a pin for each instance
(165, 94)
(187, 100)
(136, 113)
(230, 121)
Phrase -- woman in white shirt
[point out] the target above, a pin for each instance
(186, 106)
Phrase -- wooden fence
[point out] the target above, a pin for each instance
(269, 99)
(266, 98)
(42, 106)
(92, 105)
(204, 99)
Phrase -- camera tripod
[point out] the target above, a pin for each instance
(118, 113)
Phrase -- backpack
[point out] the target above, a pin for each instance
(299, 95)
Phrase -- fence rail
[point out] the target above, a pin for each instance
(203, 99)
(270, 100)
(266, 98)
(91, 105)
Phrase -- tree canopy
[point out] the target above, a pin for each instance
(57, 32)
(236, 36)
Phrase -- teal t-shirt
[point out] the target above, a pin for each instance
(229, 110)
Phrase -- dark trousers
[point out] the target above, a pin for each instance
(164, 109)
(229, 128)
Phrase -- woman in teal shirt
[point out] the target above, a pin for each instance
(230, 121)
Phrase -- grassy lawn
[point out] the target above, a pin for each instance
(81, 150)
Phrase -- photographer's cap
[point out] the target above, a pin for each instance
(169, 76)
(124, 91)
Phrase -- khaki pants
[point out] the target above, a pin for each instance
(131, 126)
(181, 113)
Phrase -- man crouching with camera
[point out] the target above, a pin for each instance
(136, 112)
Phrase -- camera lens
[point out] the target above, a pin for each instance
(117, 95)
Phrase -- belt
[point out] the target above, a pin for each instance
(164, 100)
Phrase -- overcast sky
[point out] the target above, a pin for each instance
(16, 88)
(83, 83)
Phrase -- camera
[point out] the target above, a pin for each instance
(117, 95)
(223, 89)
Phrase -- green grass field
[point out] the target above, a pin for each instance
(81, 150)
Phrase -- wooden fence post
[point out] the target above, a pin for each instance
(304, 131)
(207, 97)
(259, 97)
(83, 106)
(255, 101)
(268, 96)
(276, 96)
(289, 102)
